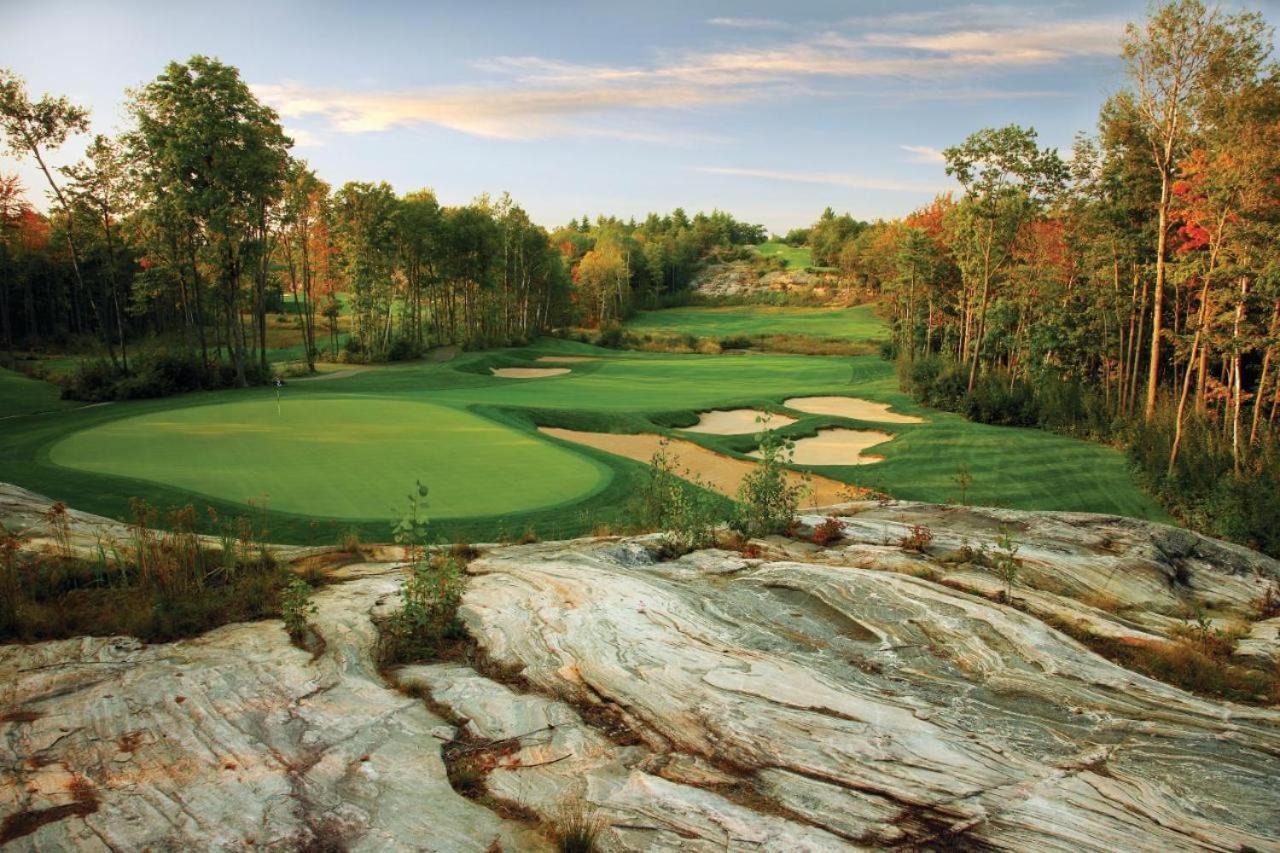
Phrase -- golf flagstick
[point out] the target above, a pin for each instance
(277, 397)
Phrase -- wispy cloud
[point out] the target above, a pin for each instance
(924, 154)
(749, 23)
(537, 97)
(833, 179)
(303, 138)
(489, 112)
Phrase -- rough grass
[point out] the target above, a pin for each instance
(20, 395)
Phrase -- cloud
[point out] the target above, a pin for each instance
(924, 154)
(749, 23)
(303, 138)
(487, 112)
(834, 179)
(538, 97)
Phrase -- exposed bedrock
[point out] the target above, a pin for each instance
(861, 695)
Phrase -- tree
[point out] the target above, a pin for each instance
(1007, 180)
(209, 151)
(33, 127)
(1176, 61)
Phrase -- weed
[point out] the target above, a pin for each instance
(917, 539)
(577, 827)
(828, 531)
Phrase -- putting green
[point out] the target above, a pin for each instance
(350, 457)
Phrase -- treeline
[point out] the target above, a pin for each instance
(618, 266)
(1129, 292)
(182, 234)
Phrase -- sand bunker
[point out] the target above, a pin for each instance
(528, 372)
(736, 421)
(722, 473)
(567, 359)
(850, 407)
(837, 447)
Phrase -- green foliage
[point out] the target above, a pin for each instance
(1004, 562)
(767, 499)
(429, 598)
(679, 503)
(295, 607)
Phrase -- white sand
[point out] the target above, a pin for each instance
(850, 407)
(722, 473)
(838, 447)
(528, 372)
(736, 421)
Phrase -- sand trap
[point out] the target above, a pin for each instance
(722, 473)
(850, 407)
(837, 447)
(528, 372)
(736, 421)
(567, 359)
(337, 374)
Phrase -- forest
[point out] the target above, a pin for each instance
(177, 238)
(1127, 291)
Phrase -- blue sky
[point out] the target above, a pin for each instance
(769, 110)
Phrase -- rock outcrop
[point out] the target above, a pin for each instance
(859, 695)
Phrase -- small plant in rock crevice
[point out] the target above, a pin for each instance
(577, 827)
(1004, 562)
(295, 607)
(828, 532)
(917, 539)
(429, 598)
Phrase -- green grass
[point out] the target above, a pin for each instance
(345, 452)
(21, 395)
(349, 457)
(795, 257)
(857, 323)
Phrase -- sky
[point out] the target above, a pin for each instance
(771, 111)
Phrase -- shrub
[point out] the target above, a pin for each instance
(428, 615)
(295, 607)
(829, 531)
(688, 512)
(917, 539)
(735, 342)
(767, 500)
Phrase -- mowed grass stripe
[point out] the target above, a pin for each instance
(352, 458)
(855, 324)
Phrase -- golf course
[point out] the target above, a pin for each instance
(341, 451)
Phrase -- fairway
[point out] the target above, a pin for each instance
(795, 257)
(351, 458)
(346, 451)
(854, 324)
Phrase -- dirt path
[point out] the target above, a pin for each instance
(850, 407)
(722, 473)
